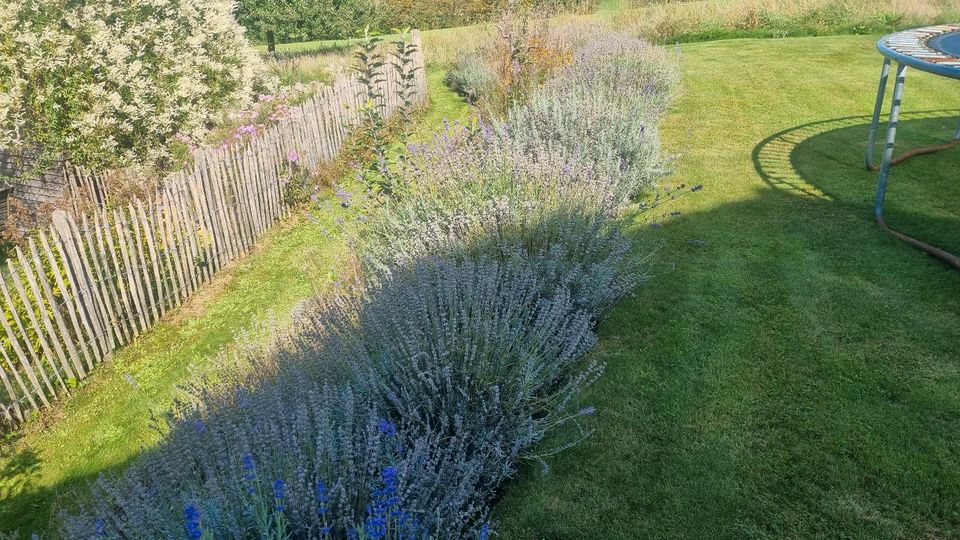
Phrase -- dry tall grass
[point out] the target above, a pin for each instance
(668, 22)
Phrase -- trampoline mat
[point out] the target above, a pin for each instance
(946, 43)
(931, 48)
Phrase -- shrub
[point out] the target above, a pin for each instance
(107, 83)
(603, 110)
(444, 373)
(469, 192)
(472, 77)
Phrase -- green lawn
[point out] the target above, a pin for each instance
(797, 376)
(107, 422)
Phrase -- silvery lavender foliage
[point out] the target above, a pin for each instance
(472, 76)
(469, 194)
(283, 454)
(479, 352)
(604, 110)
(446, 371)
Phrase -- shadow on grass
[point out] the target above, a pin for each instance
(792, 374)
(22, 502)
(825, 160)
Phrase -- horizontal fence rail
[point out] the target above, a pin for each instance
(86, 285)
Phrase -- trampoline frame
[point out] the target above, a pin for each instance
(887, 160)
(946, 66)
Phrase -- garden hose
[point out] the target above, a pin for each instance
(934, 251)
(919, 151)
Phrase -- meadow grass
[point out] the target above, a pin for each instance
(108, 420)
(790, 371)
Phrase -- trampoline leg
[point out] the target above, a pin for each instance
(872, 140)
(956, 134)
(891, 137)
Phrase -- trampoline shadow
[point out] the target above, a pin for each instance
(824, 160)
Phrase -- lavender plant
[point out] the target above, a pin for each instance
(469, 193)
(472, 77)
(603, 110)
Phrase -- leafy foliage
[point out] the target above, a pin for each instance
(107, 83)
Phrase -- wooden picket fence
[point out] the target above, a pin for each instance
(87, 285)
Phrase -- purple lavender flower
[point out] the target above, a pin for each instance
(250, 472)
(344, 197)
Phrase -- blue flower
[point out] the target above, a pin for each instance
(384, 504)
(191, 518)
(249, 472)
(101, 527)
(387, 427)
(322, 498)
(279, 489)
(484, 531)
(199, 426)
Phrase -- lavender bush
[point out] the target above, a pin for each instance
(472, 77)
(603, 110)
(469, 192)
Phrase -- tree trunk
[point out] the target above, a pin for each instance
(271, 42)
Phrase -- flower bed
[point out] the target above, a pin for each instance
(398, 408)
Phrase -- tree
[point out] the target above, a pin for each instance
(281, 21)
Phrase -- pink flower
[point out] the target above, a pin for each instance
(293, 156)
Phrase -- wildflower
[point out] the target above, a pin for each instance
(387, 428)
(199, 426)
(191, 517)
(101, 527)
(344, 197)
(293, 156)
(484, 531)
(279, 489)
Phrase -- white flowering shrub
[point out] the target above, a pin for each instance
(108, 82)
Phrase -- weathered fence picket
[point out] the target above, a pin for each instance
(93, 282)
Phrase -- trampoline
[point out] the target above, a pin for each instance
(934, 49)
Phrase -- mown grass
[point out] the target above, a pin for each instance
(791, 371)
(108, 420)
